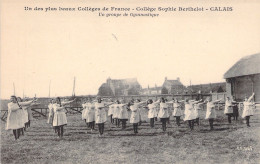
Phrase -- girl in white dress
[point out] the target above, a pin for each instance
(116, 110)
(211, 112)
(24, 113)
(189, 112)
(91, 114)
(111, 113)
(88, 114)
(152, 113)
(135, 114)
(228, 109)
(123, 114)
(84, 110)
(51, 114)
(14, 119)
(101, 115)
(177, 112)
(248, 109)
(197, 107)
(164, 113)
(50, 117)
(60, 118)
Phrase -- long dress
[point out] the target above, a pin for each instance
(211, 112)
(123, 114)
(59, 117)
(177, 110)
(228, 107)
(135, 114)
(25, 114)
(116, 110)
(13, 120)
(152, 113)
(100, 113)
(188, 113)
(90, 114)
(30, 116)
(248, 109)
(84, 111)
(196, 110)
(51, 113)
(111, 110)
(163, 112)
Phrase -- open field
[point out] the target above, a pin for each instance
(228, 143)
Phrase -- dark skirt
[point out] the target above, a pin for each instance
(235, 111)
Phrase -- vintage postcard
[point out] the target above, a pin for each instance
(130, 81)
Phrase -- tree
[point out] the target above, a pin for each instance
(105, 90)
(164, 90)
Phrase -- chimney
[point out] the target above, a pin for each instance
(178, 78)
(166, 78)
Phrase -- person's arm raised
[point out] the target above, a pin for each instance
(67, 102)
(251, 97)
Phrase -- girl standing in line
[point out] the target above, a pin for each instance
(211, 112)
(51, 114)
(197, 107)
(163, 113)
(189, 113)
(228, 109)
(111, 113)
(152, 113)
(135, 115)
(248, 109)
(123, 114)
(177, 113)
(90, 114)
(101, 115)
(13, 121)
(116, 111)
(24, 113)
(235, 109)
(60, 118)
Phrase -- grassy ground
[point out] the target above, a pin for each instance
(228, 143)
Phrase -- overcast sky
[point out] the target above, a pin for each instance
(197, 47)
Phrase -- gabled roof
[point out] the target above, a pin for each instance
(246, 66)
(173, 82)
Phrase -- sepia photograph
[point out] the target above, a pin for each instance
(130, 81)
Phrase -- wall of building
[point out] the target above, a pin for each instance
(244, 86)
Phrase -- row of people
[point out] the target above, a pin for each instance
(95, 112)
(232, 109)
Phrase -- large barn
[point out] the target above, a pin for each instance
(243, 78)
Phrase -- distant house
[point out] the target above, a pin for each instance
(152, 90)
(120, 87)
(207, 88)
(243, 78)
(172, 86)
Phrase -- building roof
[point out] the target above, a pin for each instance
(246, 66)
(174, 82)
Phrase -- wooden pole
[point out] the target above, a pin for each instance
(14, 89)
(50, 89)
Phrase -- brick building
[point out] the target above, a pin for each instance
(120, 87)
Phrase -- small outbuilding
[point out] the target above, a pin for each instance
(243, 78)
